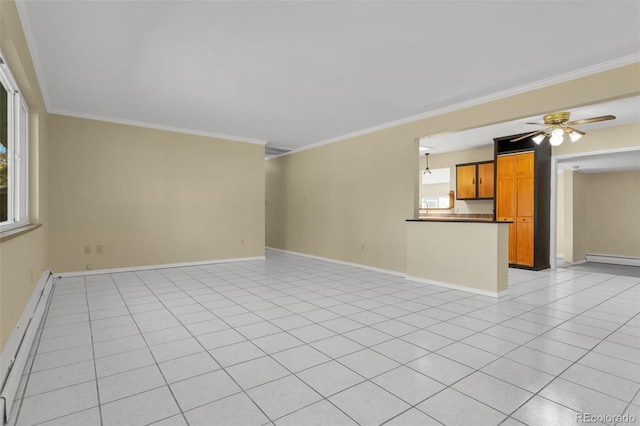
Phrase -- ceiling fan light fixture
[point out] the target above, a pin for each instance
(574, 136)
(556, 125)
(556, 140)
(557, 132)
(538, 139)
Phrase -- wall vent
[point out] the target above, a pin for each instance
(272, 151)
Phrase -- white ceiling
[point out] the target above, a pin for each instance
(296, 73)
(600, 163)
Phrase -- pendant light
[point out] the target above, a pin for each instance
(427, 171)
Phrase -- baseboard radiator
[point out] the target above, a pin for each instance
(613, 260)
(15, 354)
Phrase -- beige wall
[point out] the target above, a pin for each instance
(335, 199)
(23, 258)
(580, 208)
(345, 201)
(567, 236)
(434, 190)
(575, 222)
(151, 196)
(613, 213)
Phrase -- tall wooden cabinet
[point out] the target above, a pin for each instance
(523, 198)
(514, 203)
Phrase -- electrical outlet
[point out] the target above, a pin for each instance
(241, 241)
(99, 248)
(87, 249)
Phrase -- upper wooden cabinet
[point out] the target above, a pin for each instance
(485, 180)
(474, 181)
(466, 187)
(523, 171)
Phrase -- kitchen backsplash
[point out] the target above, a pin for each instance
(457, 215)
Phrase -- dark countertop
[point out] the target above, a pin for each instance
(469, 219)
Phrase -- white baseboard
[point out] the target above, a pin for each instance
(15, 354)
(399, 274)
(614, 260)
(340, 262)
(147, 267)
(460, 287)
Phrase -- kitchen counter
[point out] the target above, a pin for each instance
(455, 219)
(469, 254)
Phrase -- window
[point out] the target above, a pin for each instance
(14, 126)
(436, 202)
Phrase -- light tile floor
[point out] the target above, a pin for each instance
(298, 341)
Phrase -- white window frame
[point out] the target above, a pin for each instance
(17, 152)
(435, 202)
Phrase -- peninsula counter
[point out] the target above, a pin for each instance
(464, 254)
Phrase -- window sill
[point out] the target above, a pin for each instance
(14, 232)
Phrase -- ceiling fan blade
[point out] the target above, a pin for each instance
(537, 124)
(528, 135)
(591, 120)
(580, 132)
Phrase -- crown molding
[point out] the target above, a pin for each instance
(158, 127)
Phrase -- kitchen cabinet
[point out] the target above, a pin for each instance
(514, 203)
(485, 180)
(466, 187)
(523, 198)
(475, 181)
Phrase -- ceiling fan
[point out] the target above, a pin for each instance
(556, 125)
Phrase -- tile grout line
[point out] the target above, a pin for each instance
(574, 363)
(440, 321)
(152, 356)
(536, 307)
(629, 404)
(266, 355)
(502, 356)
(206, 351)
(347, 316)
(93, 351)
(234, 364)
